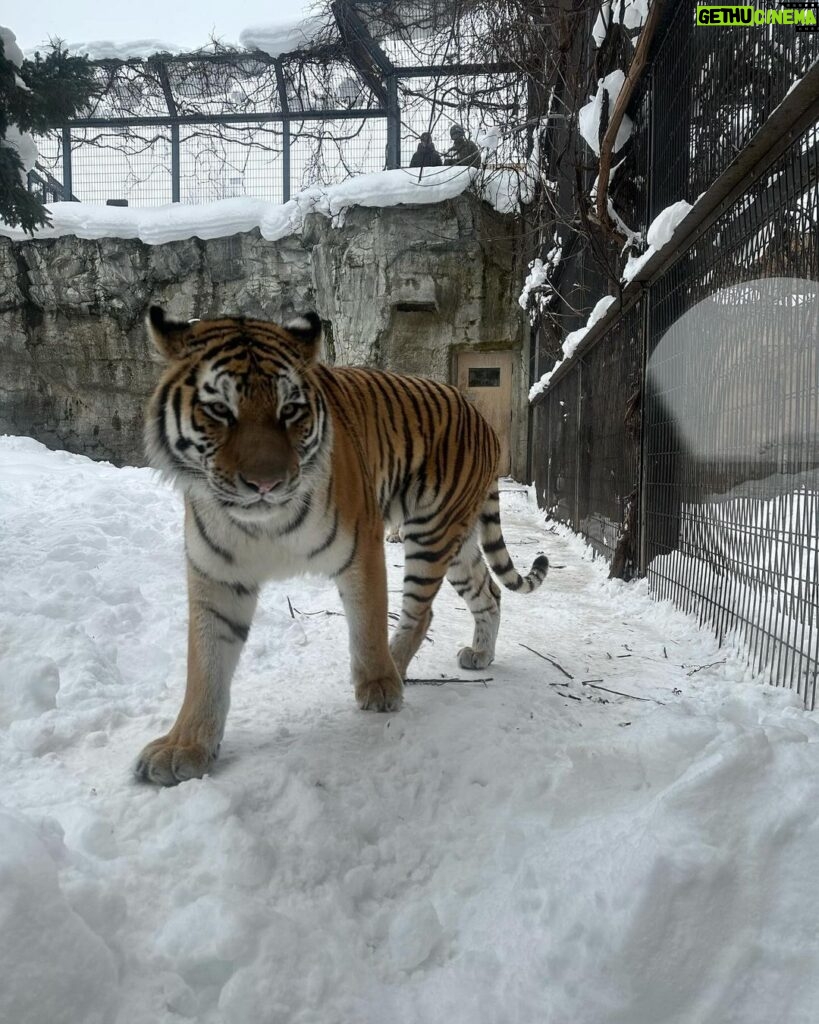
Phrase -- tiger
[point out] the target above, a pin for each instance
(289, 466)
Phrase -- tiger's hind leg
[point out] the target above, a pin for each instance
(470, 576)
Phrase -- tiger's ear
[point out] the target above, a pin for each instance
(306, 329)
(170, 337)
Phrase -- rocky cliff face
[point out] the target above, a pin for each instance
(401, 287)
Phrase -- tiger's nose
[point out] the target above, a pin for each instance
(262, 486)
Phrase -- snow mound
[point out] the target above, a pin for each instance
(659, 234)
(11, 50)
(284, 37)
(136, 49)
(55, 969)
(28, 687)
(632, 14)
(590, 114)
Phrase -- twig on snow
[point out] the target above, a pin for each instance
(446, 679)
(621, 694)
(700, 668)
(551, 661)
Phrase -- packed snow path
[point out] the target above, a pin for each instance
(529, 850)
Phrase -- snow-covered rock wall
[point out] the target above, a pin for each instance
(403, 287)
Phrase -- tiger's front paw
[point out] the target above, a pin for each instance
(384, 694)
(168, 762)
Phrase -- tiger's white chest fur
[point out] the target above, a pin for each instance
(300, 537)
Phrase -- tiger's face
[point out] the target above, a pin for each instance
(236, 417)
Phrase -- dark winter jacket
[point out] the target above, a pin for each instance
(464, 152)
(426, 156)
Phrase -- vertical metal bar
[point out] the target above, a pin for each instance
(175, 169)
(285, 108)
(393, 124)
(173, 112)
(642, 474)
(645, 323)
(68, 184)
(578, 436)
(285, 160)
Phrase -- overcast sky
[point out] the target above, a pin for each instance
(180, 22)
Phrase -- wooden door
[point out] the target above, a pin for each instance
(485, 378)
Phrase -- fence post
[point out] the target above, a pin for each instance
(173, 113)
(393, 124)
(580, 426)
(175, 170)
(642, 504)
(68, 184)
(285, 106)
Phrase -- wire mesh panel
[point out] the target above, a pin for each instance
(225, 161)
(556, 422)
(712, 91)
(213, 125)
(323, 152)
(732, 424)
(234, 85)
(609, 437)
(47, 178)
(135, 166)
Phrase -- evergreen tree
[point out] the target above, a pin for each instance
(34, 95)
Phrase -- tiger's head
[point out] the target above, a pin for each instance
(236, 417)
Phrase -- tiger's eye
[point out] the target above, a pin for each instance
(219, 410)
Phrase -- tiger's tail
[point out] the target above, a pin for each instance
(494, 548)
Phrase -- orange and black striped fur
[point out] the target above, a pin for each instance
(289, 466)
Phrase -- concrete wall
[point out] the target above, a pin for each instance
(403, 288)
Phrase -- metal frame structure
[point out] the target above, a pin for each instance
(356, 47)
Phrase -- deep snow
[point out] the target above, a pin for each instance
(528, 850)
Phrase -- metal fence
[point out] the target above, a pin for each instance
(683, 438)
(214, 125)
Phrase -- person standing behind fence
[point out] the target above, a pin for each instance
(426, 155)
(463, 151)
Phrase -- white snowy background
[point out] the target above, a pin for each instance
(528, 850)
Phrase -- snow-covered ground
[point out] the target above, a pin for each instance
(526, 850)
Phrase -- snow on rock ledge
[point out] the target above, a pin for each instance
(175, 222)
